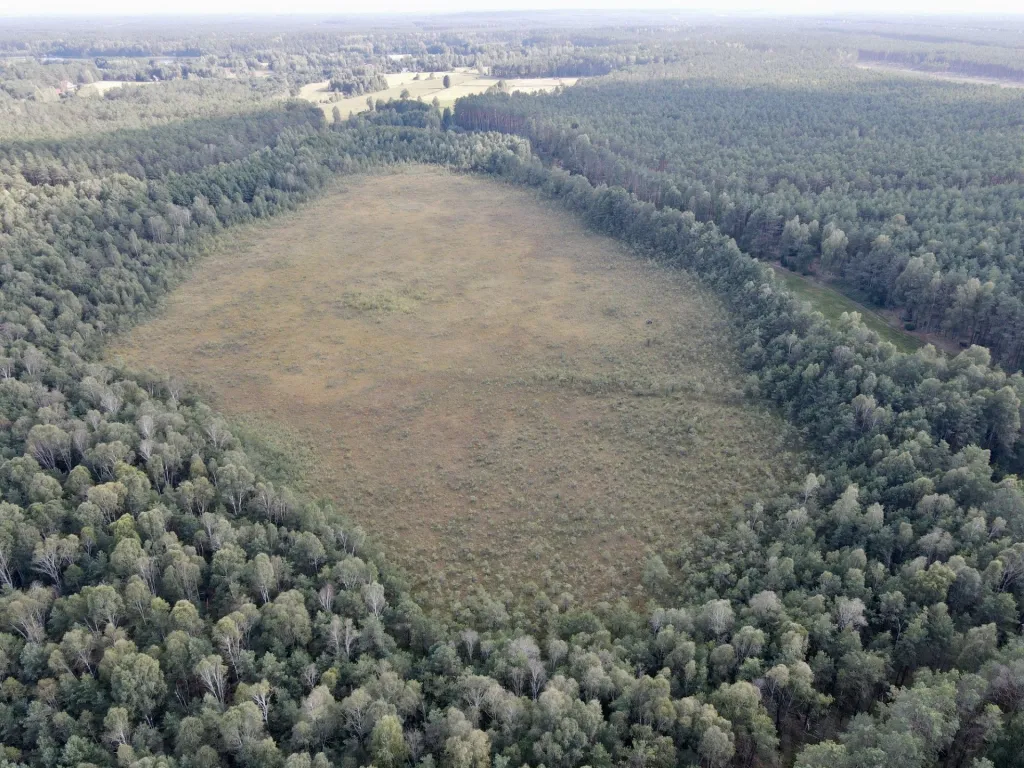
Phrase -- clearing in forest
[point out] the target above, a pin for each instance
(832, 304)
(426, 86)
(949, 77)
(102, 87)
(497, 396)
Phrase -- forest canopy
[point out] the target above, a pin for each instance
(907, 193)
(167, 600)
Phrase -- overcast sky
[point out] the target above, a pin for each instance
(180, 7)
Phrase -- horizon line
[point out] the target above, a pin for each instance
(697, 11)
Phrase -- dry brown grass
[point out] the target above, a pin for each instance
(498, 396)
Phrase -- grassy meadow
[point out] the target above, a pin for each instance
(499, 397)
(426, 88)
(832, 304)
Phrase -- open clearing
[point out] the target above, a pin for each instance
(463, 83)
(950, 77)
(101, 87)
(832, 304)
(498, 396)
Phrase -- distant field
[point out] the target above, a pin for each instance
(496, 395)
(100, 87)
(950, 77)
(463, 83)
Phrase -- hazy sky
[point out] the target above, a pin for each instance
(179, 7)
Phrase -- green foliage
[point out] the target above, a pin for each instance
(857, 180)
(163, 604)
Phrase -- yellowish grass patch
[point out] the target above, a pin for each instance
(498, 396)
(100, 87)
(463, 83)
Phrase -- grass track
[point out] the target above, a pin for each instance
(831, 303)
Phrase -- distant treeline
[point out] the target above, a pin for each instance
(563, 66)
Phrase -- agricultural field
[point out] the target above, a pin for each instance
(497, 396)
(427, 86)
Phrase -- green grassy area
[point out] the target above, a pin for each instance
(832, 304)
